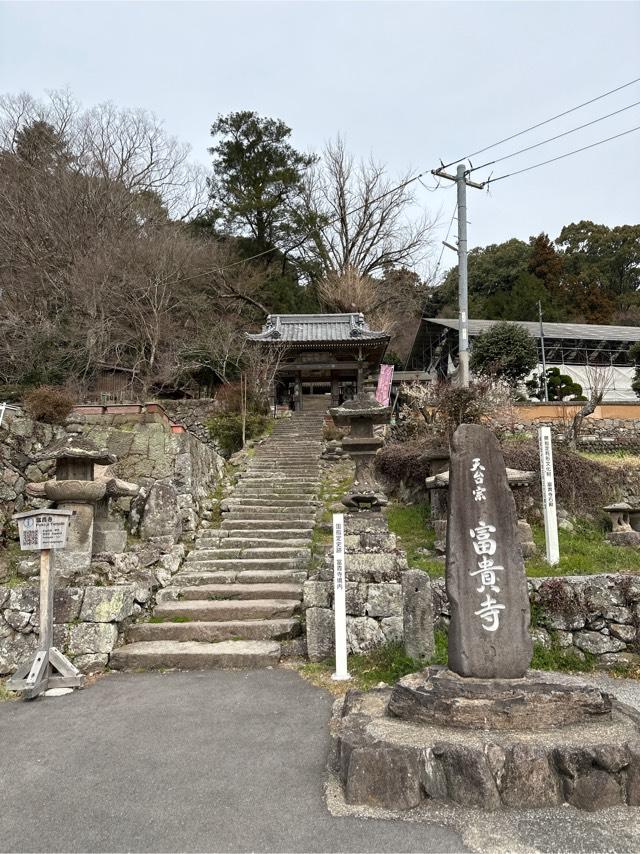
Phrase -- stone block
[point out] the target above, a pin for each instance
(320, 633)
(161, 516)
(67, 602)
(363, 634)
(107, 604)
(317, 594)
(87, 638)
(392, 629)
(387, 777)
(417, 614)
(596, 643)
(469, 779)
(623, 632)
(528, 781)
(356, 598)
(384, 600)
(92, 663)
(15, 648)
(624, 538)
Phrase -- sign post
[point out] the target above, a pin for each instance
(44, 531)
(339, 600)
(548, 495)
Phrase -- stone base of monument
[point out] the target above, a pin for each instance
(540, 741)
(624, 538)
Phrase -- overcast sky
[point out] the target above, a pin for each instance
(408, 83)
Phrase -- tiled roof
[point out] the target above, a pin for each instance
(309, 328)
(576, 331)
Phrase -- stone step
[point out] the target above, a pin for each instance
(238, 524)
(265, 501)
(264, 542)
(240, 564)
(272, 513)
(232, 591)
(215, 631)
(228, 609)
(195, 655)
(256, 537)
(247, 576)
(200, 555)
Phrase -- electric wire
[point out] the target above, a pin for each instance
(551, 138)
(561, 156)
(453, 216)
(540, 124)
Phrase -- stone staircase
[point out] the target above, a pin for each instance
(239, 593)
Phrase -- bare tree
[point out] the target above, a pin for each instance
(357, 218)
(600, 379)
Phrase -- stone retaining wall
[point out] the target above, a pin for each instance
(88, 622)
(374, 566)
(596, 614)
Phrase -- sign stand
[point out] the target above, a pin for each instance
(41, 530)
(339, 599)
(548, 495)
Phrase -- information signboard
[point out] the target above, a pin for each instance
(43, 529)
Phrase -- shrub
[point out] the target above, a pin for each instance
(226, 430)
(506, 351)
(11, 393)
(50, 404)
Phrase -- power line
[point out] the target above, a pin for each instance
(562, 156)
(552, 138)
(545, 122)
(453, 216)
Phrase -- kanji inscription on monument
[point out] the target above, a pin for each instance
(485, 576)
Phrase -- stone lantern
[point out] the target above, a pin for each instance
(75, 488)
(361, 415)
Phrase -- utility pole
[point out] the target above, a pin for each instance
(545, 390)
(462, 183)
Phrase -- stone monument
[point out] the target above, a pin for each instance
(485, 731)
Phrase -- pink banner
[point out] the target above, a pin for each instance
(383, 393)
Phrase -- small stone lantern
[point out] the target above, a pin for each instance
(76, 489)
(361, 414)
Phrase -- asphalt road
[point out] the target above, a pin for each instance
(212, 761)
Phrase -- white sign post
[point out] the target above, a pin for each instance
(339, 600)
(43, 531)
(548, 495)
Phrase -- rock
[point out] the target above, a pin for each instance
(356, 598)
(540, 636)
(564, 639)
(383, 777)
(528, 782)
(67, 602)
(392, 629)
(92, 663)
(622, 632)
(633, 777)
(489, 630)
(596, 643)
(320, 633)
(525, 533)
(469, 780)
(318, 594)
(15, 648)
(107, 604)
(417, 614)
(566, 525)
(161, 515)
(88, 638)
(363, 634)
(18, 620)
(624, 538)
(384, 600)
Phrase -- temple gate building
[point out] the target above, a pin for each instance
(324, 358)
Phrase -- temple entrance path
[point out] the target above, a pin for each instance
(238, 596)
(207, 761)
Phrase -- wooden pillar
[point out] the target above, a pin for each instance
(299, 391)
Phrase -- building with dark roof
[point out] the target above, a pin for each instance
(323, 357)
(572, 347)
